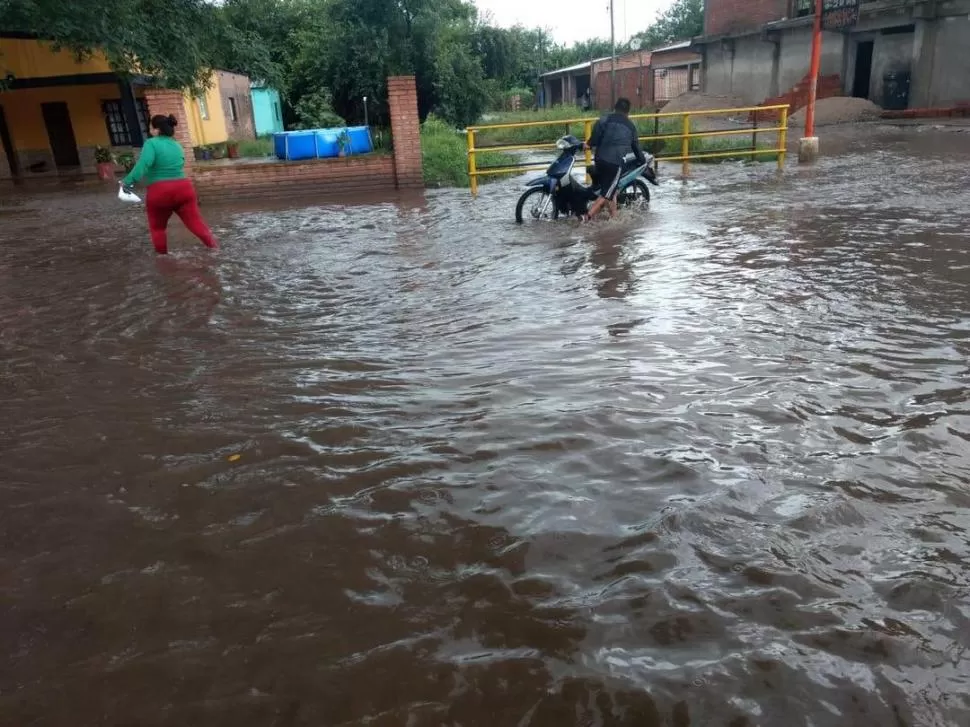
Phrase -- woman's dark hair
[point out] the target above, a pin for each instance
(165, 124)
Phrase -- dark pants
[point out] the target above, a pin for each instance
(606, 177)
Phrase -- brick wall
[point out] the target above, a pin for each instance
(355, 175)
(166, 102)
(633, 83)
(402, 97)
(735, 16)
(236, 87)
(675, 58)
(276, 180)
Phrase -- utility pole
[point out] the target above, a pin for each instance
(613, 58)
(808, 146)
(541, 95)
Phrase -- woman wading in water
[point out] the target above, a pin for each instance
(162, 166)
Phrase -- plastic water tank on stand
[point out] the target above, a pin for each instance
(895, 90)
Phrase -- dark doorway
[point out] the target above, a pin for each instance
(61, 134)
(8, 144)
(863, 69)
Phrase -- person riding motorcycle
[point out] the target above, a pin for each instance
(614, 136)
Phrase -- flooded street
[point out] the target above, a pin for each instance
(407, 463)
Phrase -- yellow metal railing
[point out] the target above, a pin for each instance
(685, 155)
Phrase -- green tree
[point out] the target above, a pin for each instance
(315, 111)
(175, 41)
(682, 20)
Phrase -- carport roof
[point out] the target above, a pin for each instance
(573, 69)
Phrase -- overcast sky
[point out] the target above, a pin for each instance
(572, 20)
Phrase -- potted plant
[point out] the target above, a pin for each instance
(197, 152)
(126, 161)
(105, 161)
(206, 152)
(343, 142)
(218, 151)
(232, 149)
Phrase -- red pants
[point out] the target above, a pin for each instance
(178, 196)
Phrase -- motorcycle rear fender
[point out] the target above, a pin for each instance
(645, 171)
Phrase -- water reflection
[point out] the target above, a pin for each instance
(610, 258)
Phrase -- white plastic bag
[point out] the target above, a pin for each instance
(127, 196)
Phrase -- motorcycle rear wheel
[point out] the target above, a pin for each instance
(636, 195)
(542, 207)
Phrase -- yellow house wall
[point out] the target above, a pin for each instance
(213, 129)
(28, 132)
(26, 121)
(35, 59)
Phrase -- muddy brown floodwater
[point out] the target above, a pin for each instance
(708, 466)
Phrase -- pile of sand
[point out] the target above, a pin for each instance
(839, 110)
(700, 102)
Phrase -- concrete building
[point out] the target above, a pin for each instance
(566, 86)
(647, 78)
(267, 110)
(675, 69)
(901, 53)
(237, 105)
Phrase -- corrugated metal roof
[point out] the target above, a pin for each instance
(673, 46)
(577, 67)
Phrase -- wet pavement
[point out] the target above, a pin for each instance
(406, 463)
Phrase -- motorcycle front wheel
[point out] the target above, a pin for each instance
(635, 195)
(536, 204)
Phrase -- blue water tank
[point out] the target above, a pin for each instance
(301, 145)
(279, 144)
(327, 145)
(360, 141)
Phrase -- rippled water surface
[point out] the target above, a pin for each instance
(405, 463)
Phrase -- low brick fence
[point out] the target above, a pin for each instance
(273, 180)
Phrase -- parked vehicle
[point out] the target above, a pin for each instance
(558, 193)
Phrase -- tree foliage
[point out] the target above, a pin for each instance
(325, 56)
(682, 20)
(175, 41)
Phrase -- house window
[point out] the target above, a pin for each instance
(203, 107)
(802, 8)
(119, 133)
(279, 114)
(233, 116)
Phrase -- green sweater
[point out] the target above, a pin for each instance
(161, 159)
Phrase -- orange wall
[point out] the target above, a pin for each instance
(26, 122)
(33, 59)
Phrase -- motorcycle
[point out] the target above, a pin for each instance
(559, 193)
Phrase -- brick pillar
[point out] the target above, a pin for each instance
(402, 97)
(165, 102)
